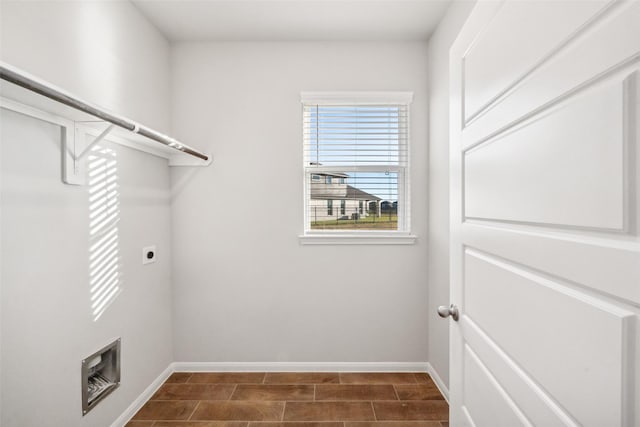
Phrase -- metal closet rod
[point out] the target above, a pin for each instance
(44, 89)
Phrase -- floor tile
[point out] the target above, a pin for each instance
(238, 410)
(179, 377)
(296, 424)
(377, 378)
(201, 424)
(423, 377)
(166, 410)
(412, 410)
(301, 378)
(418, 392)
(355, 392)
(392, 424)
(328, 411)
(273, 392)
(295, 399)
(227, 377)
(194, 392)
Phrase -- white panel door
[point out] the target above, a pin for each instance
(545, 215)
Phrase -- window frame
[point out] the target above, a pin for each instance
(400, 236)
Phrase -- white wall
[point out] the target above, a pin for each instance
(47, 323)
(244, 289)
(439, 45)
(106, 52)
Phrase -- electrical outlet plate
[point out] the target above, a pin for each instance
(149, 254)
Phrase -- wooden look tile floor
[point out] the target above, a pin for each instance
(313, 399)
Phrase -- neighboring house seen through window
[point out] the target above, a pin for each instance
(358, 143)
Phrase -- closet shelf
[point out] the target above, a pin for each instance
(31, 95)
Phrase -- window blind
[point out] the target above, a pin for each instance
(356, 156)
(359, 135)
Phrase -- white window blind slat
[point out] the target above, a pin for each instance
(359, 134)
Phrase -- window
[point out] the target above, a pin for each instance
(315, 177)
(360, 139)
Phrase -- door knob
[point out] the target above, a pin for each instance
(452, 311)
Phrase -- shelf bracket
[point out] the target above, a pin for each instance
(99, 138)
(74, 153)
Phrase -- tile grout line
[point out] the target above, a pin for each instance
(235, 387)
(194, 410)
(375, 417)
(188, 381)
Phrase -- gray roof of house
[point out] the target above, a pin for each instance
(356, 193)
(352, 193)
(338, 174)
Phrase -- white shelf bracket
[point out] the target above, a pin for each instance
(74, 153)
(99, 138)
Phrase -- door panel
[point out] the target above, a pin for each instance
(529, 396)
(607, 266)
(545, 248)
(606, 47)
(480, 384)
(581, 165)
(487, 79)
(550, 315)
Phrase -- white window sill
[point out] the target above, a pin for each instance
(357, 239)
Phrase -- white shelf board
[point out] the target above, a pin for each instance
(23, 100)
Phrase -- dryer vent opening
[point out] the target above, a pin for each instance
(100, 375)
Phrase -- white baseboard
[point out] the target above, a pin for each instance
(439, 383)
(126, 416)
(300, 366)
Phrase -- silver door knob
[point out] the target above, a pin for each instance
(452, 311)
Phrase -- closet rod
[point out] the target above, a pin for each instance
(40, 87)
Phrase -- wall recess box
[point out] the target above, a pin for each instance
(100, 375)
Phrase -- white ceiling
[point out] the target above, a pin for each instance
(294, 20)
